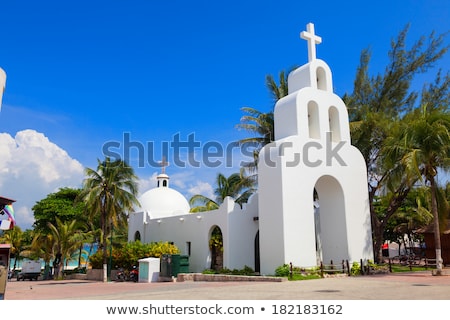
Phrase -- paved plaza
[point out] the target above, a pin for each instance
(396, 286)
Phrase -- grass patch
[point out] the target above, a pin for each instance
(297, 273)
(299, 276)
(246, 271)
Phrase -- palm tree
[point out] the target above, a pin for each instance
(200, 203)
(427, 139)
(66, 236)
(110, 191)
(43, 244)
(280, 90)
(237, 186)
(15, 238)
(261, 124)
(412, 215)
(380, 100)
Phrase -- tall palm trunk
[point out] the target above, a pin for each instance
(437, 231)
(110, 191)
(80, 252)
(104, 245)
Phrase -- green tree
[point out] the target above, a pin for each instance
(43, 245)
(62, 204)
(412, 215)
(237, 186)
(261, 124)
(15, 238)
(216, 247)
(128, 256)
(110, 192)
(376, 107)
(427, 140)
(66, 240)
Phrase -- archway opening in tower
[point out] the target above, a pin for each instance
(330, 221)
(216, 248)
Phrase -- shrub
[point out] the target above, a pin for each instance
(355, 269)
(298, 273)
(282, 271)
(209, 271)
(129, 255)
(246, 271)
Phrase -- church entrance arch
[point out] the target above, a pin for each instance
(216, 248)
(330, 220)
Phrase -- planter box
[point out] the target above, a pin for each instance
(77, 276)
(97, 274)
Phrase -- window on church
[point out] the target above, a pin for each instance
(137, 236)
(321, 79)
(165, 183)
(188, 248)
(313, 120)
(335, 129)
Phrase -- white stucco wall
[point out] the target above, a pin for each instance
(237, 225)
(306, 156)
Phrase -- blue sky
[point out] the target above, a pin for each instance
(83, 73)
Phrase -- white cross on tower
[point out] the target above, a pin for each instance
(312, 41)
(164, 164)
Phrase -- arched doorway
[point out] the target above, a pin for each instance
(330, 220)
(216, 247)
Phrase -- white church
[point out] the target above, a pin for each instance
(312, 200)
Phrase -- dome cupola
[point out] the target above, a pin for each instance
(163, 201)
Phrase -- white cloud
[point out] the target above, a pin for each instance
(148, 183)
(31, 167)
(203, 188)
(181, 179)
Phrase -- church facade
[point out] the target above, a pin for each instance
(191, 232)
(312, 201)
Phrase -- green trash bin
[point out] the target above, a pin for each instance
(175, 264)
(184, 264)
(180, 264)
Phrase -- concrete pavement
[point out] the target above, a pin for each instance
(396, 286)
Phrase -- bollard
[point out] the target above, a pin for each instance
(362, 266)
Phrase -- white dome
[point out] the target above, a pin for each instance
(164, 202)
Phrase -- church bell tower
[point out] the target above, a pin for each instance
(313, 192)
